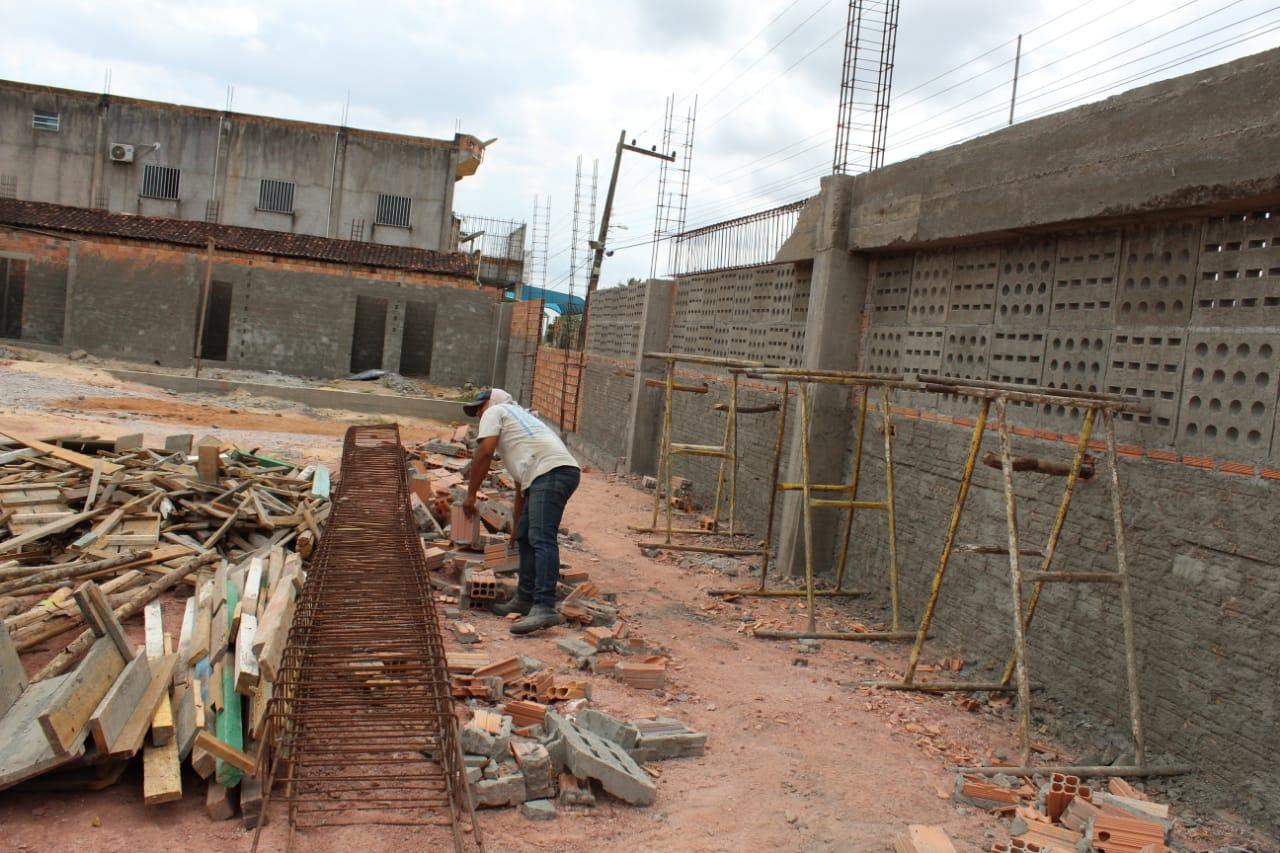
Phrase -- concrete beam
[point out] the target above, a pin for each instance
(644, 419)
(319, 398)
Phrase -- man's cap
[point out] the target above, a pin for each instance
(497, 394)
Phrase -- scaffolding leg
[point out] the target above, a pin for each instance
(663, 451)
(853, 488)
(1015, 580)
(773, 486)
(732, 446)
(886, 422)
(975, 444)
(1055, 534)
(666, 445)
(1126, 598)
(807, 509)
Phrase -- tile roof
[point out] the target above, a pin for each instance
(234, 238)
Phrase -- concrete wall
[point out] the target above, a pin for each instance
(337, 172)
(140, 301)
(1128, 247)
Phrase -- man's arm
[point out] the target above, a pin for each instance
(480, 463)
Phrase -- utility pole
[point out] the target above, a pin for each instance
(597, 255)
(1017, 61)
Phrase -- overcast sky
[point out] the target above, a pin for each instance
(558, 78)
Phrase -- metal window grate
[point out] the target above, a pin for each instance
(8, 186)
(275, 196)
(42, 120)
(160, 182)
(393, 210)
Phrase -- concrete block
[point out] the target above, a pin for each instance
(539, 810)
(539, 773)
(477, 741)
(474, 774)
(580, 650)
(590, 756)
(503, 791)
(610, 728)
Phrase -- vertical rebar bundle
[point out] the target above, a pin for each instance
(362, 723)
(871, 35)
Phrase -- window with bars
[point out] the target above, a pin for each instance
(393, 210)
(275, 196)
(160, 182)
(45, 120)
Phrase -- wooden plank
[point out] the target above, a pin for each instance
(238, 759)
(17, 542)
(273, 649)
(94, 481)
(67, 718)
(77, 459)
(252, 586)
(246, 669)
(184, 718)
(135, 730)
(101, 618)
(207, 463)
(198, 648)
(230, 729)
(217, 802)
(161, 774)
(153, 625)
(162, 724)
(27, 752)
(13, 677)
(274, 618)
(923, 839)
(117, 706)
(184, 641)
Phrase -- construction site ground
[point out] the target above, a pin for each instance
(799, 755)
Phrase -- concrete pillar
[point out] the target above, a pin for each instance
(69, 301)
(644, 418)
(836, 298)
(501, 346)
(393, 335)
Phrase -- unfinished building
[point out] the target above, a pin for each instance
(1125, 247)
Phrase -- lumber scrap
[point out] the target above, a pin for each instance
(923, 839)
(66, 720)
(161, 774)
(77, 459)
(135, 603)
(234, 757)
(13, 677)
(100, 618)
(134, 732)
(17, 542)
(27, 752)
(246, 668)
(117, 706)
(230, 730)
(217, 802)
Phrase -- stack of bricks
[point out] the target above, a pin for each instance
(535, 686)
(525, 713)
(501, 556)
(1062, 790)
(479, 586)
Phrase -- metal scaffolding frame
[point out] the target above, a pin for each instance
(864, 384)
(1095, 406)
(726, 452)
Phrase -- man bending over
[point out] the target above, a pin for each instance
(546, 475)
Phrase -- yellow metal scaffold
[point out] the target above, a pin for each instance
(821, 495)
(1095, 407)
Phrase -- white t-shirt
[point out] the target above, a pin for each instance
(528, 446)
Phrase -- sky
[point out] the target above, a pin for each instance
(559, 79)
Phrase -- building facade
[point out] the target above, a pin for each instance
(147, 158)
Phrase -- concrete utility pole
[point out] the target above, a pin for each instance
(1017, 61)
(597, 255)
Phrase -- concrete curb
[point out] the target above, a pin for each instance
(320, 398)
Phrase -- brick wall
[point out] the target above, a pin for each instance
(608, 375)
(140, 301)
(556, 381)
(526, 332)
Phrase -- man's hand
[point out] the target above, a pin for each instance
(469, 506)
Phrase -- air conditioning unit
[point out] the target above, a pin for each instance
(120, 153)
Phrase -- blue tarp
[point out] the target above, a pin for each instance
(555, 300)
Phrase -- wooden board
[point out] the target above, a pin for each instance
(77, 459)
(118, 705)
(246, 671)
(153, 625)
(25, 752)
(274, 619)
(162, 724)
(184, 717)
(161, 774)
(13, 678)
(242, 761)
(67, 718)
(923, 839)
(135, 730)
(181, 671)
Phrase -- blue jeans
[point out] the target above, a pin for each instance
(537, 534)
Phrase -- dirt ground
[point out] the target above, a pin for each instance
(800, 755)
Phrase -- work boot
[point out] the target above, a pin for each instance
(541, 616)
(515, 605)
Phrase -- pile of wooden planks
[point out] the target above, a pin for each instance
(95, 535)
